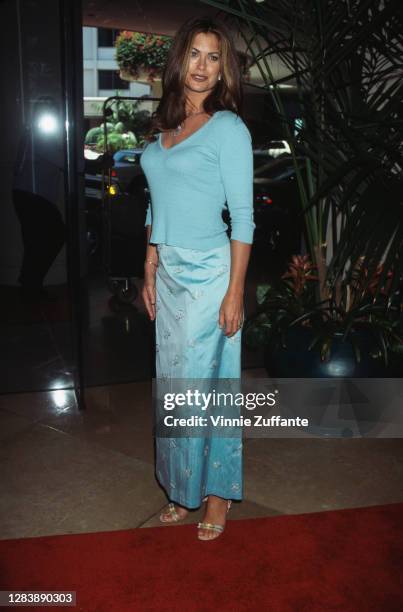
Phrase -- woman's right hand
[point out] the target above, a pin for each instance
(149, 293)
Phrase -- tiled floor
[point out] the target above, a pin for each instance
(65, 471)
(68, 471)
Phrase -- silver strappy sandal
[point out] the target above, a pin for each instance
(211, 527)
(174, 516)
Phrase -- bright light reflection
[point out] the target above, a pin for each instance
(338, 368)
(47, 123)
(60, 398)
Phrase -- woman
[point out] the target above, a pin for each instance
(194, 275)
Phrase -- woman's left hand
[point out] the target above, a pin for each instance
(231, 313)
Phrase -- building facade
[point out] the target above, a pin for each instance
(101, 73)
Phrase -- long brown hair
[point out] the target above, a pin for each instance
(227, 94)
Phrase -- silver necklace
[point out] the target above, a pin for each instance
(178, 129)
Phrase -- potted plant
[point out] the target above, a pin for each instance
(342, 61)
(141, 56)
(352, 336)
(123, 127)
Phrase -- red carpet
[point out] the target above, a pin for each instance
(347, 560)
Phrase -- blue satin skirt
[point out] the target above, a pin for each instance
(190, 287)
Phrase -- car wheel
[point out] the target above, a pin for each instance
(127, 294)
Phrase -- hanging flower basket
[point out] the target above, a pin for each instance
(141, 56)
(142, 74)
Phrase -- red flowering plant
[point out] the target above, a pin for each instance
(141, 51)
(363, 301)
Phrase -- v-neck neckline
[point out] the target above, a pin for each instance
(188, 137)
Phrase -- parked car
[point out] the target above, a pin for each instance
(126, 167)
(94, 184)
(277, 209)
(275, 148)
(122, 223)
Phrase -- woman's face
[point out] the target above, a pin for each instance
(204, 61)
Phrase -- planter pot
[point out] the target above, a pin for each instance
(143, 75)
(296, 361)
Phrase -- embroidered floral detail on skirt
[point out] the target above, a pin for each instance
(190, 286)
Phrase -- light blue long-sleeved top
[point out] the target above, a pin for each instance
(191, 182)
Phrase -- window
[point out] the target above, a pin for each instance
(128, 159)
(107, 37)
(109, 79)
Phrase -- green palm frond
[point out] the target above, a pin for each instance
(345, 60)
